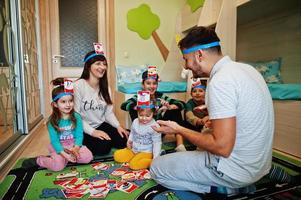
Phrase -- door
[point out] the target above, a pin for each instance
(31, 66)
(75, 25)
(10, 128)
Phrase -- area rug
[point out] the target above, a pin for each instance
(121, 183)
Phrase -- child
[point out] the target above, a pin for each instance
(166, 107)
(144, 143)
(196, 112)
(65, 131)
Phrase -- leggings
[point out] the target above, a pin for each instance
(141, 160)
(56, 162)
(101, 147)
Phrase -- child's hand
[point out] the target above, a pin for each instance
(75, 151)
(69, 157)
(162, 109)
(199, 122)
(129, 144)
(172, 107)
(164, 103)
(200, 108)
(208, 124)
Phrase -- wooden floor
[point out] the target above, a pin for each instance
(32, 145)
(38, 145)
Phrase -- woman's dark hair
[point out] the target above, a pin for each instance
(103, 82)
(145, 76)
(200, 35)
(56, 114)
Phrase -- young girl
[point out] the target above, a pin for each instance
(65, 131)
(144, 143)
(102, 130)
(195, 111)
(168, 108)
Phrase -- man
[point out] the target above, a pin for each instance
(238, 151)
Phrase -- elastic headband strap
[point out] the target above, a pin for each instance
(92, 56)
(145, 106)
(199, 47)
(200, 86)
(151, 77)
(61, 95)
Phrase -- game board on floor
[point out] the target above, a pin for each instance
(106, 179)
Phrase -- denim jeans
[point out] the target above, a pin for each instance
(191, 170)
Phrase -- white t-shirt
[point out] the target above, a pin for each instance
(238, 90)
(92, 108)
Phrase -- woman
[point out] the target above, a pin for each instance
(102, 130)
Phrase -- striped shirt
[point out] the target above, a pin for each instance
(130, 104)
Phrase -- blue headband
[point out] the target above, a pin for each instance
(199, 47)
(151, 77)
(145, 106)
(61, 95)
(200, 86)
(91, 56)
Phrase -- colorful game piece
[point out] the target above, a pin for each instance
(99, 192)
(129, 176)
(127, 187)
(143, 174)
(67, 175)
(119, 172)
(100, 166)
(99, 183)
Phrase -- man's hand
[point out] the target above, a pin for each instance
(167, 127)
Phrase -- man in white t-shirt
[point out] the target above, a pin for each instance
(238, 151)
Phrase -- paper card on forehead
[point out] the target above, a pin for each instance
(196, 82)
(143, 98)
(152, 72)
(98, 48)
(68, 85)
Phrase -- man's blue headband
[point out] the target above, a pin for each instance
(92, 56)
(61, 95)
(199, 47)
